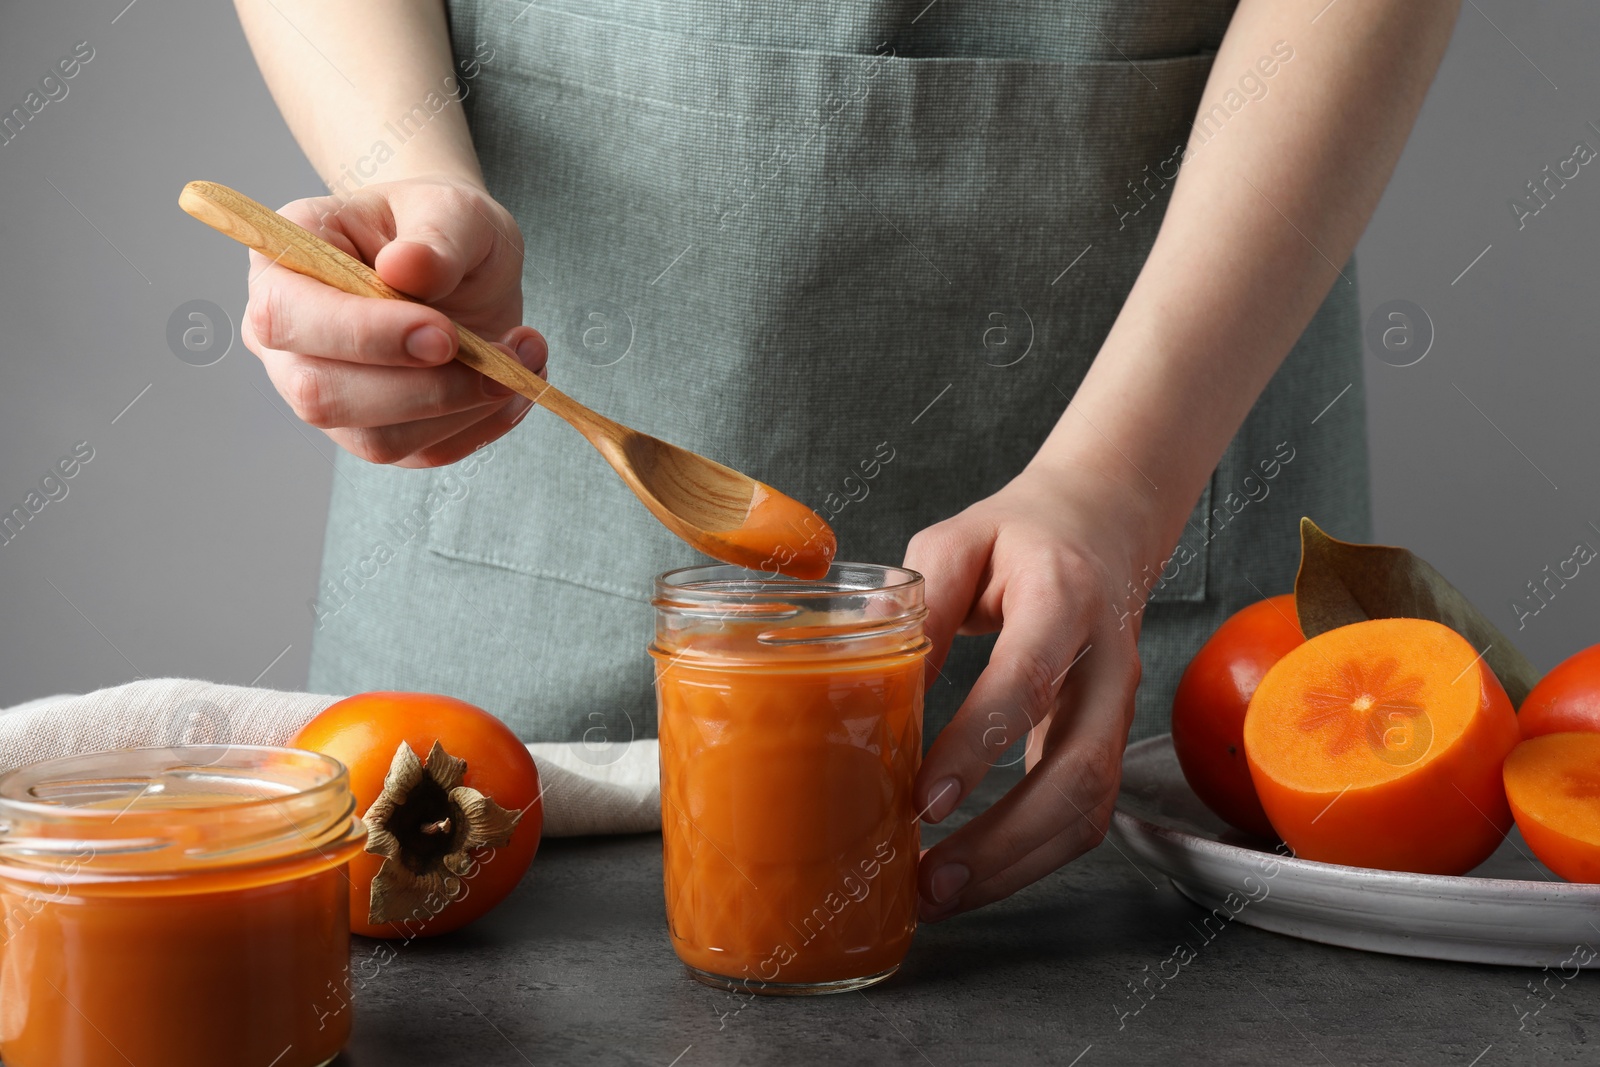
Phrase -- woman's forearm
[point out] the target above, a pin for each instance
(1266, 211)
(369, 88)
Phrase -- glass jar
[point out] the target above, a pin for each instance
(790, 718)
(176, 906)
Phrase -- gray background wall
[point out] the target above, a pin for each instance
(188, 545)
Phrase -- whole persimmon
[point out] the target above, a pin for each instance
(450, 797)
(1212, 697)
(1567, 700)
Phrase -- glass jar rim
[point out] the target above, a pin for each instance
(731, 615)
(257, 803)
(725, 581)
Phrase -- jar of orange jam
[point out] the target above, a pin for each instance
(790, 718)
(176, 907)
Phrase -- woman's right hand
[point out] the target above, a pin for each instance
(379, 376)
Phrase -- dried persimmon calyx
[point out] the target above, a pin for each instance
(426, 825)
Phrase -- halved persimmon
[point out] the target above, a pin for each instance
(1208, 708)
(1379, 744)
(1553, 784)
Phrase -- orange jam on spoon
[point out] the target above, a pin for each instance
(779, 535)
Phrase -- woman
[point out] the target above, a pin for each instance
(1052, 297)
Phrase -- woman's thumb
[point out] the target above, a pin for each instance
(438, 239)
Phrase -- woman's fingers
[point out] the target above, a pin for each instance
(530, 348)
(332, 395)
(1061, 808)
(442, 233)
(290, 312)
(426, 259)
(428, 240)
(1042, 562)
(378, 375)
(405, 443)
(474, 437)
(1043, 611)
(1081, 832)
(951, 557)
(424, 236)
(326, 216)
(439, 440)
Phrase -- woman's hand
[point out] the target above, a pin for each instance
(379, 376)
(1049, 561)
(1056, 560)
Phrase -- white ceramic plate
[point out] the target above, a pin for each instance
(1510, 910)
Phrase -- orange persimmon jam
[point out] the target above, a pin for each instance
(790, 719)
(176, 907)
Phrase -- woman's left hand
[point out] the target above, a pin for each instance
(1054, 562)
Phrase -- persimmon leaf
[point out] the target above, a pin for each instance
(1340, 583)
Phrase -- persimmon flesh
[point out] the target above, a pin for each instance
(1553, 784)
(1209, 707)
(1379, 744)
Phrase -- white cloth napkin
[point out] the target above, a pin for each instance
(586, 790)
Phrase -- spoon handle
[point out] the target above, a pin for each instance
(230, 212)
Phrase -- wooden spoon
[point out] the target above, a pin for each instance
(717, 510)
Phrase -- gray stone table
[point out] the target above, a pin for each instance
(575, 968)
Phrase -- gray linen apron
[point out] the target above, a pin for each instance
(864, 251)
